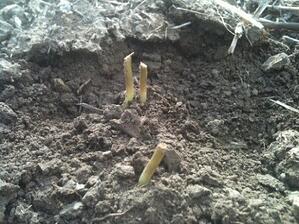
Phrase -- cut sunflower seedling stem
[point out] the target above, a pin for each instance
(143, 82)
(130, 91)
(152, 165)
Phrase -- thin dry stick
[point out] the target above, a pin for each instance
(83, 86)
(285, 106)
(140, 4)
(279, 25)
(189, 10)
(111, 215)
(261, 8)
(180, 26)
(233, 9)
(89, 107)
(227, 26)
(290, 40)
(286, 8)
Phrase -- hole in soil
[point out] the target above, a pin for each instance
(226, 95)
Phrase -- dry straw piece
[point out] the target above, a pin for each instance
(130, 91)
(152, 165)
(143, 82)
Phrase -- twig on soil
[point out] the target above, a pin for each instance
(140, 4)
(290, 40)
(116, 3)
(83, 86)
(284, 8)
(227, 26)
(285, 106)
(155, 30)
(89, 107)
(189, 10)
(245, 16)
(111, 215)
(80, 107)
(261, 8)
(180, 26)
(279, 25)
(286, 47)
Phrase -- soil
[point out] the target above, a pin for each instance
(73, 154)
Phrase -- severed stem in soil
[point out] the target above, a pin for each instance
(130, 92)
(152, 165)
(143, 83)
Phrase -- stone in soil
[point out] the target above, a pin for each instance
(197, 192)
(7, 115)
(294, 198)
(270, 182)
(71, 211)
(93, 195)
(52, 167)
(10, 72)
(129, 123)
(276, 62)
(282, 156)
(172, 160)
(8, 192)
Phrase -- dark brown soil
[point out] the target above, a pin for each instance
(74, 164)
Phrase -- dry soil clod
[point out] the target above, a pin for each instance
(152, 165)
(143, 82)
(130, 91)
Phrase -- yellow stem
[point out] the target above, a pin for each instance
(143, 83)
(130, 92)
(152, 165)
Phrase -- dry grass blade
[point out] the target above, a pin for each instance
(261, 8)
(233, 9)
(285, 106)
